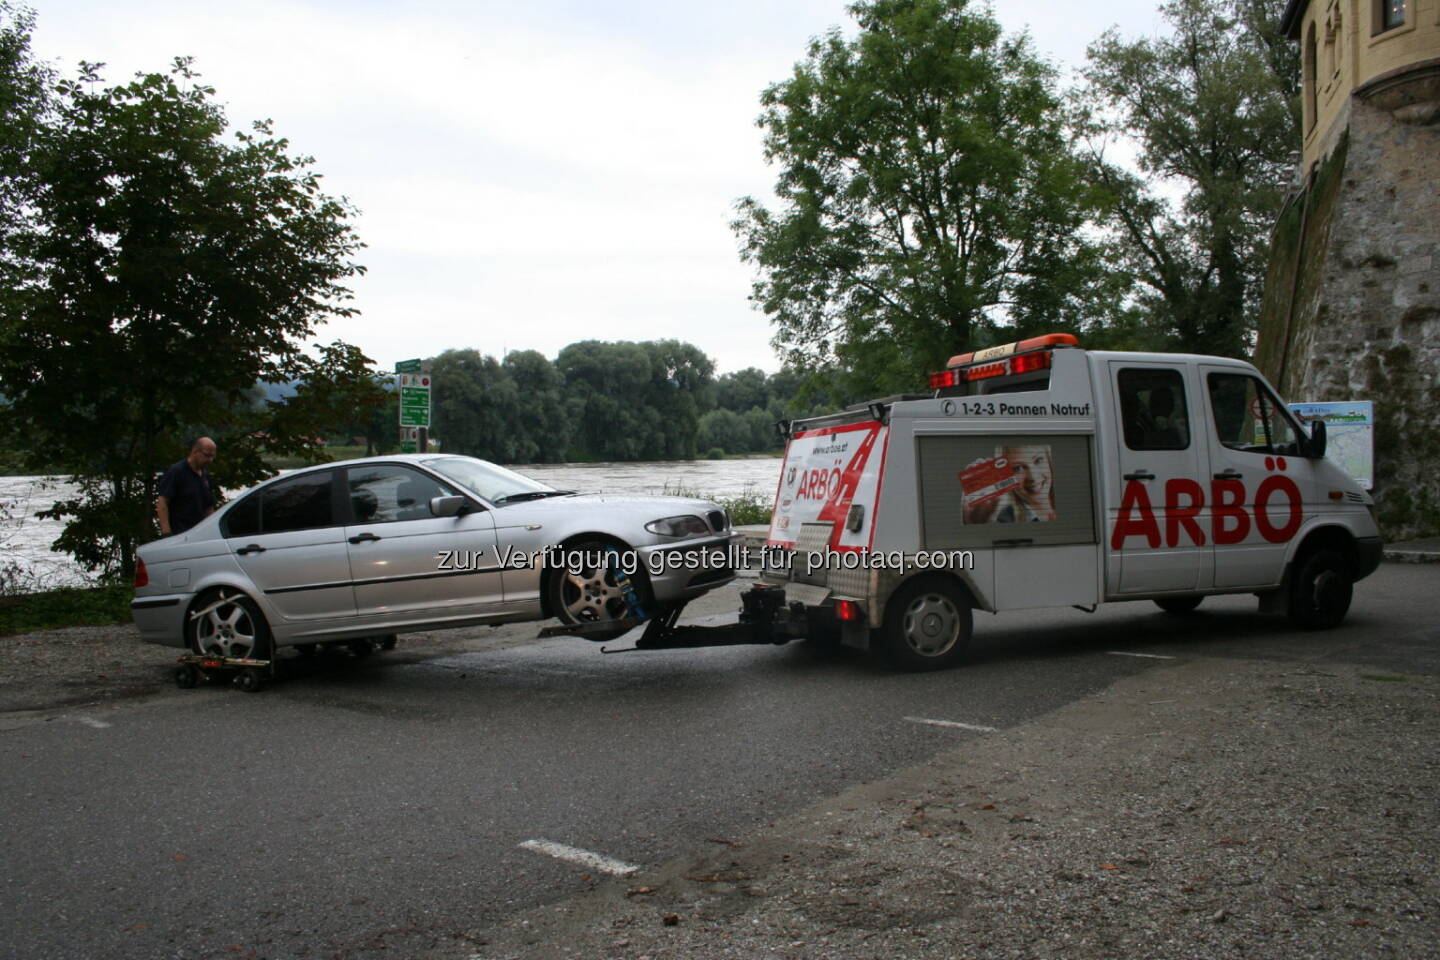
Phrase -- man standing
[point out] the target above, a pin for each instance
(185, 498)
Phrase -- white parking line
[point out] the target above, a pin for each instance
(1148, 656)
(953, 723)
(92, 722)
(584, 858)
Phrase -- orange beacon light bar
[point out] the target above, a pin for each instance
(1022, 356)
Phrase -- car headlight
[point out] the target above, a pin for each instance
(686, 526)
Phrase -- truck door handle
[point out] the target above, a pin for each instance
(362, 537)
(1140, 475)
(1229, 473)
(250, 548)
(1015, 542)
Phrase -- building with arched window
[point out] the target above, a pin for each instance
(1352, 294)
(1382, 52)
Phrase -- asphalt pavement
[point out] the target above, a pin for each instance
(390, 808)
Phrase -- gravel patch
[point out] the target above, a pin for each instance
(1211, 809)
(49, 670)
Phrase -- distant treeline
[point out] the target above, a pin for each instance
(656, 400)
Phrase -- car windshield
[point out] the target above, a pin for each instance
(495, 484)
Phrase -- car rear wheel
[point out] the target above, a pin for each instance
(590, 587)
(927, 624)
(226, 623)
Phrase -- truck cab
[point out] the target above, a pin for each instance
(1040, 474)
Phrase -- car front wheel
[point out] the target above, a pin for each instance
(591, 587)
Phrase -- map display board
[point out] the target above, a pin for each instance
(1349, 435)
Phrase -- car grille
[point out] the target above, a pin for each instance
(718, 521)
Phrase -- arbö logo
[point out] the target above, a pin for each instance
(1277, 498)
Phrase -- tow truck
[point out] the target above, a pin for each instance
(1040, 474)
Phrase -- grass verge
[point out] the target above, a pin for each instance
(65, 607)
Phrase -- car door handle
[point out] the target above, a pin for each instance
(250, 548)
(1140, 475)
(362, 537)
(1015, 542)
(1229, 473)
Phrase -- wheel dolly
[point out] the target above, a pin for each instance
(248, 675)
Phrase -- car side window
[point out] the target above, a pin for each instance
(1153, 409)
(243, 519)
(387, 493)
(297, 503)
(1248, 417)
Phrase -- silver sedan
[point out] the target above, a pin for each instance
(363, 549)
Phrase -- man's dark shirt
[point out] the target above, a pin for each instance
(189, 495)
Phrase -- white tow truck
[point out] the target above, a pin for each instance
(1039, 474)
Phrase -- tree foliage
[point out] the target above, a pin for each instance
(155, 273)
(636, 401)
(928, 196)
(513, 411)
(1213, 112)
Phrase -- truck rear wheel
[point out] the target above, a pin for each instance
(1178, 605)
(927, 624)
(1320, 594)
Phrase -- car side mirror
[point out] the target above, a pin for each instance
(448, 506)
(1317, 440)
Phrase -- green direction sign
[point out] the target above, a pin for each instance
(415, 400)
(408, 366)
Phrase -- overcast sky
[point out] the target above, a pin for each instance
(528, 174)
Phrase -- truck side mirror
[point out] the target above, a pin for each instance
(1317, 440)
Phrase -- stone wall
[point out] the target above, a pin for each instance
(1365, 273)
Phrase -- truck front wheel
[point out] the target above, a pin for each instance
(927, 624)
(1320, 595)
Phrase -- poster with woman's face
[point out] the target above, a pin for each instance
(1016, 485)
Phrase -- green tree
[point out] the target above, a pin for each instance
(25, 104)
(1213, 113)
(741, 390)
(636, 401)
(680, 390)
(156, 273)
(929, 195)
(474, 402)
(543, 424)
(725, 429)
(762, 430)
(605, 383)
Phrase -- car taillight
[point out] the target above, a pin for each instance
(847, 611)
(142, 576)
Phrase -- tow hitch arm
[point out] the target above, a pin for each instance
(764, 617)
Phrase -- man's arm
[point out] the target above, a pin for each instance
(162, 512)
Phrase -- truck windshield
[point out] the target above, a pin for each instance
(489, 481)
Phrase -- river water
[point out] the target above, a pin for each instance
(25, 539)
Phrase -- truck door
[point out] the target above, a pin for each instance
(1155, 497)
(1260, 479)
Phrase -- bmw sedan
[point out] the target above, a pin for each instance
(363, 549)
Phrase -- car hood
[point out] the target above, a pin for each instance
(643, 508)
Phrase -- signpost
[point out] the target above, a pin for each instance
(414, 390)
(1349, 435)
(414, 399)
